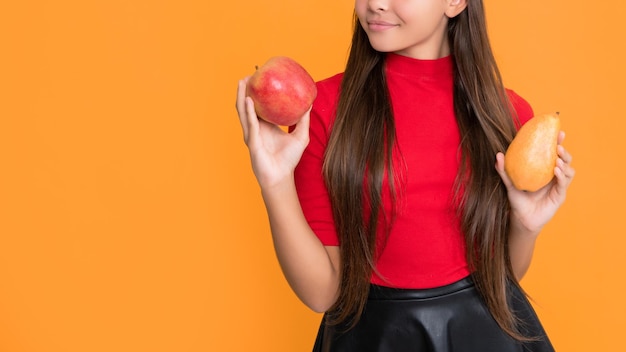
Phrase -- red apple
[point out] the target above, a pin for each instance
(282, 91)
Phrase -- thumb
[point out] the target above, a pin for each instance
(301, 130)
(501, 171)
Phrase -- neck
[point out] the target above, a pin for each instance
(436, 47)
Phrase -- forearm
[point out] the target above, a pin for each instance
(521, 249)
(530, 211)
(311, 271)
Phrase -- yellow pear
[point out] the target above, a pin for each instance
(531, 157)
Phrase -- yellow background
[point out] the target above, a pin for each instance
(129, 216)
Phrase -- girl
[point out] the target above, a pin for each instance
(388, 203)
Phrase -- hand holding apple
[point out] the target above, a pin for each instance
(274, 152)
(282, 91)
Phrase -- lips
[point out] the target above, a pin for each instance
(378, 26)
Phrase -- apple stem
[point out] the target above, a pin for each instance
(256, 68)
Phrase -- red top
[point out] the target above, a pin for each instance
(425, 247)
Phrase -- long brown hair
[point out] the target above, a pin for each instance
(359, 156)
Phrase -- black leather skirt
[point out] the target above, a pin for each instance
(451, 318)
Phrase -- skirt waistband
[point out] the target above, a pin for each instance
(378, 292)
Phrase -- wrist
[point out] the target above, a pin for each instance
(278, 188)
(519, 227)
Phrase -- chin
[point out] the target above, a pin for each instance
(383, 47)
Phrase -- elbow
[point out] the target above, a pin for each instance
(318, 309)
(321, 302)
(320, 306)
(520, 273)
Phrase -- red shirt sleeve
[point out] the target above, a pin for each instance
(522, 108)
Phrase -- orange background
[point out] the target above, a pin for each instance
(129, 216)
